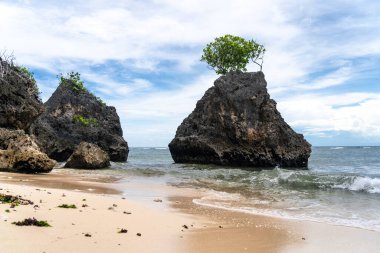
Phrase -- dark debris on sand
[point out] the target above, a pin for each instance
(32, 222)
(15, 200)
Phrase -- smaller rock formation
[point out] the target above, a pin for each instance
(19, 153)
(88, 156)
(236, 123)
(19, 101)
(73, 115)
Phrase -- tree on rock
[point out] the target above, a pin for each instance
(230, 52)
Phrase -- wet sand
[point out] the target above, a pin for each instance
(59, 180)
(159, 213)
(229, 231)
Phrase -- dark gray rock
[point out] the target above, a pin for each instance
(88, 156)
(71, 117)
(236, 123)
(20, 153)
(19, 107)
(19, 101)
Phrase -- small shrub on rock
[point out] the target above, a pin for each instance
(73, 80)
(85, 121)
(30, 75)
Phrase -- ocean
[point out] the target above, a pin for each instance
(341, 186)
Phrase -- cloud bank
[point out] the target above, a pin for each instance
(143, 57)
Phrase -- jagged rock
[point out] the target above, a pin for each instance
(19, 107)
(73, 116)
(88, 156)
(19, 101)
(236, 123)
(22, 154)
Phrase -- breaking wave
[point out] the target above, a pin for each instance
(308, 180)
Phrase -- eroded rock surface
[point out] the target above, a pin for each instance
(73, 116)
(19, 101)
(236, 123)
(20, 153)
(88, 156)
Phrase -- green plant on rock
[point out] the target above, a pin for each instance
(30, 75)
(73, 80)
(230, 52)
(85, 121)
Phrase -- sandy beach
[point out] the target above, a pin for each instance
(166, 218)
(189, 126)
(102, 218)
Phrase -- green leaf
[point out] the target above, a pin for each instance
(230, 52)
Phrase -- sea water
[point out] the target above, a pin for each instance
(341, 186)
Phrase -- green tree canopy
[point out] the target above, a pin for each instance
(230, 52)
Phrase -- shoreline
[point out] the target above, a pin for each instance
(208, 229)
(243, 232)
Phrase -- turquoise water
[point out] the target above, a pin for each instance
(342, 185)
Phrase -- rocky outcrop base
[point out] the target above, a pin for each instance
(236, 123)
(88, 156)
(20, 153)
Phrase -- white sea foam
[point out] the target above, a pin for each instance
(364, 184)
(160, 148)
(222, 196)
(223, 200)
(337, 148)
(367, 184)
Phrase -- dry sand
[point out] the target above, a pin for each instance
(103, 218)
(160, 223)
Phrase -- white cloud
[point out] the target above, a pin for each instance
(351, 112)
(106, 85)
(337, 77)
(169, 103)
(311, 45)
(154, 117)
(137, 31)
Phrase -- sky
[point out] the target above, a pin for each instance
(322, 62)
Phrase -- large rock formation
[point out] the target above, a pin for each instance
(236, 123)
(19, 153)
(19, 101)
(19, 107)
(88, 156)
(72, 115)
